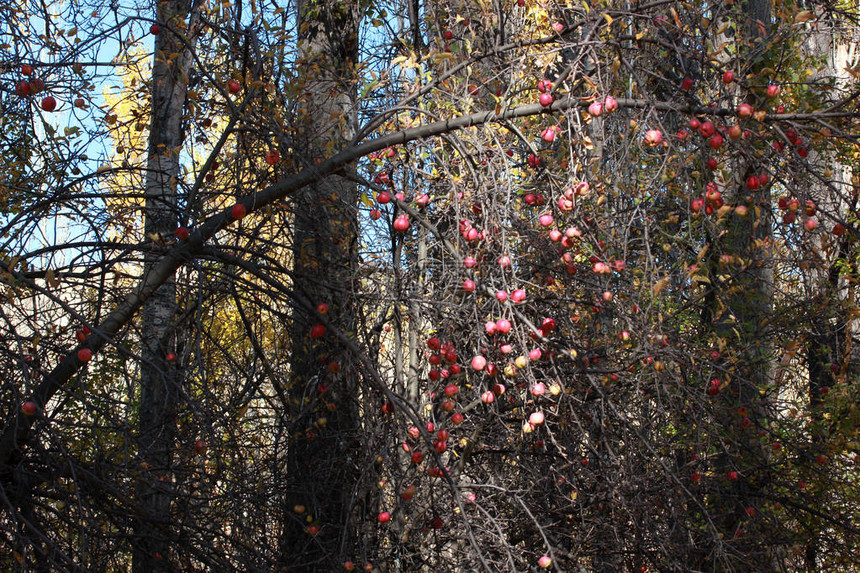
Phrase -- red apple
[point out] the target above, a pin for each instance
(716, 141)
(273, 157)
(687, 84)
(383, 517)
(22, 88)
(545, 99)
(548, 134)
(85, 355)
(200, 447)
(49, 103)
(155, 29)
(322, 308)
(317, 331)
(479, 363)
(238, 211)
(26, 69)
(401, 223)
(545, 562)
(29, 408)
(772, 91)
(234, 87)
(457, 419)
(745, 110)
(728, 77)
(181, 233)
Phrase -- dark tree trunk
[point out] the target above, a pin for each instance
(323, 467)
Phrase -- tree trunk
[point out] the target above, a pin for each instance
(159, 380)
(323, 467)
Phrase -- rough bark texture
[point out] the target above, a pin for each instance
(739, 316)
(323, 467)
(159, 383)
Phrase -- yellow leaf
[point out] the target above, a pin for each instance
(701, 279)
(659, 286)
(608, 19)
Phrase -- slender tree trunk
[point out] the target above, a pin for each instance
(323, 467)
(159, 381)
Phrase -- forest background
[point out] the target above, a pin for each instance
(440, 285)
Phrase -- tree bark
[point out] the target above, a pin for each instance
(159, 382)
(323, 468)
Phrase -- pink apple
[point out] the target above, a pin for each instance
(546, 220)
(548, 134)
(545, 561)
(518, 296)
(536, 418)
(745, 110)
(545, 99)
(501, 296)
(470, 262)
(488, 397)
(653, 137)
(595, 109)
(469, 285)
(610, 104)
(478, 363)
(539, 389)
(503, 326)
(504, 261)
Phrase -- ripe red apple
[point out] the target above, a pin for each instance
(29, 408)
(451, 390)
(810, 224)
(707, 129)
(469, 285)
(735, 132)
(26, 69)
(36, 85)
(313, 529)
(170, 357)
(536, 418)
(85, 355)
(22, 88)
(838, 230)
(745, 110)
(732, 476)
(544, 86)
(728, 77)
(383, 517)
(545, 99)
(687, 84)
(234, 87)
(753, 183)
(546, 220)
(716, 141)
(772, 91)
(348, 566)
(375, 214)
(479, 363)
(545, 562)
(695, 124)
(488, 397)
(457, 418)
(401, 223)
(317, 331)
(518, 296)
(181, 233)
(200, 447)
(448, 35)
(155, 29)
(548, 134)
(383, 198)
(49, 103)
(821, 459)
(238, 211)
(273, 157)
(595, 109)
(322, 308)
